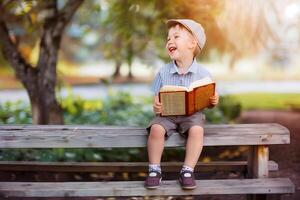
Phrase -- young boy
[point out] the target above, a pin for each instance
(186, 38)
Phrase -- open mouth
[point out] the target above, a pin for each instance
(172, 49)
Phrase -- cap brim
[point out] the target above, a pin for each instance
(171, 22)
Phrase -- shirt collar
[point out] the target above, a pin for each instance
(192, 68)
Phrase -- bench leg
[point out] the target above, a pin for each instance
(264, 196)
(258, 157)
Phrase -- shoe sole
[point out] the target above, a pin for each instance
(187, 187)
(153, 187)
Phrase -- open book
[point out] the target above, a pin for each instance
(179, 100)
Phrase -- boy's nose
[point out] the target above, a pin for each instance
(169, 42)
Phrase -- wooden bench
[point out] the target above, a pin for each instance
(257, 136)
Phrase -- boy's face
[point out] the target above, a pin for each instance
(180, 43)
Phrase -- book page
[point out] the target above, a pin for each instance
(170, 88)
(173, 103)
(201, 82)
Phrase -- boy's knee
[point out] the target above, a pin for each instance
(157, 131)
(196, 131)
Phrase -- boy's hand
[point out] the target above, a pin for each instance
(214, 100)
(157, 106)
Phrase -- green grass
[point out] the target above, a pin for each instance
(268, 101)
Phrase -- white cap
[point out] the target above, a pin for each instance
(195, 28)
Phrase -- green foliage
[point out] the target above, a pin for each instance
(268, 101)
(230, 108)
(15, 113)
(116, 109)
(127, 28)
(226, 111)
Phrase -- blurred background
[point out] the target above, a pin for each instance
(92, 62)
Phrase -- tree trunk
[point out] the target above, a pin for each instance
(44, 112)
(40, 81)
(117, 71)
(130, 76)
(129, 61)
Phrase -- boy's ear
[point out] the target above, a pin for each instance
(193, 43)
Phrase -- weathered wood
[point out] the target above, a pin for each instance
(55, 136)
(257, 136)
(135, 188)
(258, 157)
(122, 166)
(261, 158)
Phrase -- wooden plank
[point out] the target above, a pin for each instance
(258, 166)
(122, 166)
(258, 160)
(261, 158)
(135, 188)
(55, 136)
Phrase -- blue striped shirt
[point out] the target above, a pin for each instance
(169, 75)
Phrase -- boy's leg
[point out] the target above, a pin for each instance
(155, 144)
(194, 146)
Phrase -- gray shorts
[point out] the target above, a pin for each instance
(180, 124)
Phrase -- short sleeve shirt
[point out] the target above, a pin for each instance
(169, 75)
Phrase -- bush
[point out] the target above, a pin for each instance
(116, 109)
(227, 110)
(15, 113)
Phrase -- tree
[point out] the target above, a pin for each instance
(127, 31)
(237, 28)
(45, 21)
(246, 27)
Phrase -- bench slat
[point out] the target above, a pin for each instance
(58, 136)
(135, 188)
(122, 166)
